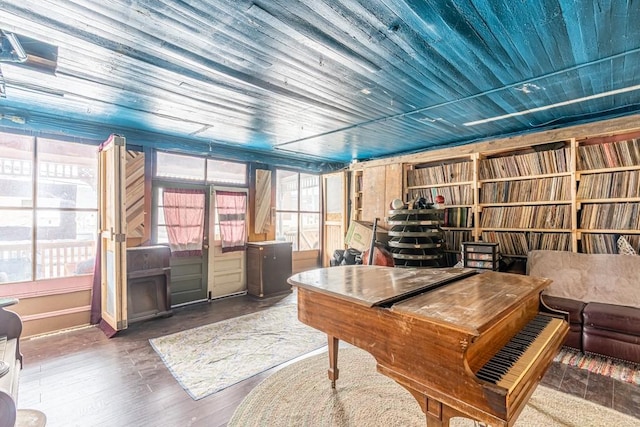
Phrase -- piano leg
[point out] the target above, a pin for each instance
(333, 359)
(438, 414)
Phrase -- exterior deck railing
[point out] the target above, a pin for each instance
(53, 259)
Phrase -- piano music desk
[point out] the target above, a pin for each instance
(432, 330)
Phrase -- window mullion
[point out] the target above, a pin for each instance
(35, 173)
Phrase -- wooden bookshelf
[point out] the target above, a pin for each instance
(590, 173)
(608, 192)
(526, 198)
(454, 179)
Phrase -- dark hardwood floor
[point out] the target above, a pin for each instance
(81, 378)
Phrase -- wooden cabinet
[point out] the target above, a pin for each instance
(269, 265)
(148, 282)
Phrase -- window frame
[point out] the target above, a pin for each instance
(39, 207)
(300, 212)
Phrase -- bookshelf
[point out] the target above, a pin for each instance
(455, 180)
(527, 197)
(572, 189)
(608, 192)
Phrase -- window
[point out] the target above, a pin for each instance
(185, 171)
(230, 219)
(227, 173)
(298, 209)
(179, 166)
(194, 168)
(48, 214)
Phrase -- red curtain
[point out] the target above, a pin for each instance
(184, 219)
(231, 207)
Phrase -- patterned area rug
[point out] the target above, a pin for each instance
(301, 395)
(209, 358)
(616, 369)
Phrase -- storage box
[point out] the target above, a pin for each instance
(484, 255)
(360, 233)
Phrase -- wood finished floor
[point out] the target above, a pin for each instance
(81, 378)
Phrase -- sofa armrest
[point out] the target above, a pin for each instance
(573, 307)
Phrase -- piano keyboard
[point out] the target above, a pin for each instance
(512, 362)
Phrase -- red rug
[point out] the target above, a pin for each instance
(617, 369)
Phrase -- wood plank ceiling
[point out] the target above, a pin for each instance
(319, 81)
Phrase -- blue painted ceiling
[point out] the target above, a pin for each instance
(318, 81)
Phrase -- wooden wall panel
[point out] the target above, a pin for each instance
(374, 193)
(270, 232)
(263, 201)
(135, 197)
(380, 185)
(393, 188)
(305, 260)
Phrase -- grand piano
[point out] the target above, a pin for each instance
(465, 344)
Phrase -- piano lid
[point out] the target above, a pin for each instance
(373, 285)
(473, 304)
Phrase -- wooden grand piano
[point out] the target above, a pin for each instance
(463, 343)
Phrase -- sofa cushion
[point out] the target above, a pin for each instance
(607, 343)
(605, 278)
(612, 317)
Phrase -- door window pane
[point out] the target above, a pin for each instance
(334, 195)
(309, 193)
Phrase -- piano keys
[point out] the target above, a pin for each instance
(462, 343)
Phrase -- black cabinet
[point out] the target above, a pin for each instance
(269, 265)
(148, 282)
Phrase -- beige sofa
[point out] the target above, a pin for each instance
(601, 292)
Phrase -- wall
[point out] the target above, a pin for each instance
(380, 184)
(51, 305)
(305, 260)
